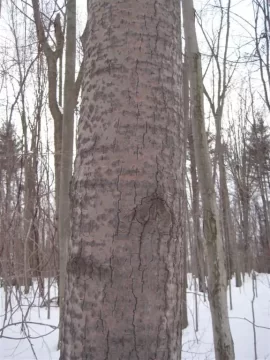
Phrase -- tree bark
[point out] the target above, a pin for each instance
(123, 298)
(67, 149)
(52, 56)
(230, 240)
(198, 245)
(243, 187)
(217, 281)
(184, 198)
(55, 100)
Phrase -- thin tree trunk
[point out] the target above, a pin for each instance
(67, 149)
(183, 204)
(265, 209)
(232, 257)
(29, 263)
(52, 57)
(123, 276)
(217, 281)
(199, 250)
(244, 205)
(197, 254)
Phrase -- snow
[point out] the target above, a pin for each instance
(38, 326)
(199, 345)
(196, 345)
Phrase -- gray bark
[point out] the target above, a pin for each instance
(230, 239)
(123, 275)
(217, 281)
(52, 57)
(67, 149)
(197, 238)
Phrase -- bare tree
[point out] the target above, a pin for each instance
(67, 147)
(217, 279)
(262, 44)
(63, 166)
(52, 57)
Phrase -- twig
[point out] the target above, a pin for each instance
(28, 322)
(252, 323)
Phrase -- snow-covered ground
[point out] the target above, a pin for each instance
(196, 345)
(42, 343)
(199, 345)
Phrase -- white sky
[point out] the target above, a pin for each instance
(240, 37)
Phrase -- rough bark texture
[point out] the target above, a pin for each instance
(123, 297)
(217, 280)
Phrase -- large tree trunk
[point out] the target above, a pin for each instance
(217, 281)
(123, 297)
